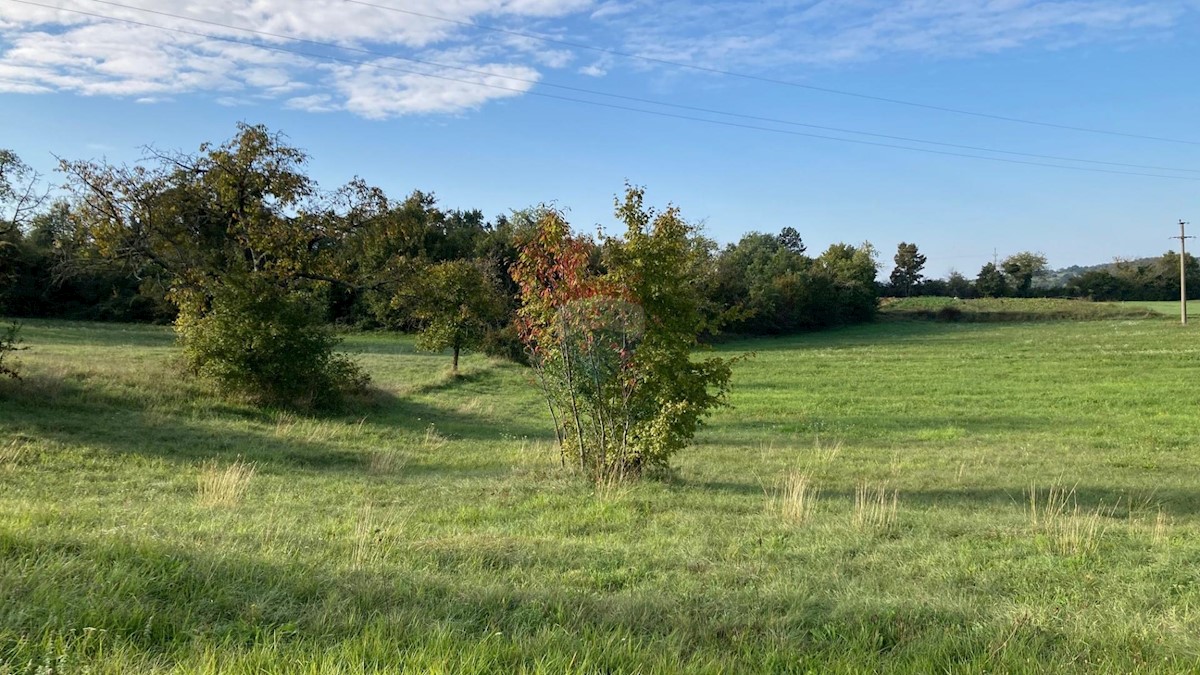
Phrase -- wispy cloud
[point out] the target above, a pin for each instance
(50, 50)
(781, 33)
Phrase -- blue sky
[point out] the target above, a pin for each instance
(419, 99)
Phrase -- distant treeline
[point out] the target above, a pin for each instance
(118, 249)
(371, 256)
(1026, 275)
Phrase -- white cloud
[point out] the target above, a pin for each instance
(51, 50)
(598, 68)
(312, 103)
(376, 91)
(593, 70)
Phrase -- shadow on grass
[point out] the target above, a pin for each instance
(1115, 502)
(76, 412)
(729, 429)
(92, 334)
(146, 601)
(447, 381)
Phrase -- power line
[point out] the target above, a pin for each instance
(636, 99)
(760, 78)
(564, 98)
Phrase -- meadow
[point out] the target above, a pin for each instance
(904, 496)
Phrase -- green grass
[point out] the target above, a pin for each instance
(1043, 475)
(1167, 307)
(1012, 309)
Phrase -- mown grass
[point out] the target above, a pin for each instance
(1167, 307)
(1011, 309)
(906, 496)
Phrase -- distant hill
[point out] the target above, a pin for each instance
(1060, 277)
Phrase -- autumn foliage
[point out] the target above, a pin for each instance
(611, 329)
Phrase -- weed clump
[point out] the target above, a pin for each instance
(1069, 529)
(874, 507)
(223, 486)
(796, 499)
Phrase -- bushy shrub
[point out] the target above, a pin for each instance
(266, 343)
(613, 350)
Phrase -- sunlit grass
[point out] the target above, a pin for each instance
(905, 497)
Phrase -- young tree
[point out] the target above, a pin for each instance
(456, 303)
(613, 350)
(909, 264)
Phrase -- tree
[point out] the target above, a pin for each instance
(1167, 272)
(1022, 269)
(20, 199)
(848, 273)
(991, 282)
(958, 285)
(21, 193)
(909, 264)
(790, 239)
(457, 304)
(613, 349)
(1101, 285)
(236, 235)
(750, 283)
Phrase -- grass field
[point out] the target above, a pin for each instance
(911, 496)
(1169, 307)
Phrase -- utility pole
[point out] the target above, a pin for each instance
(1182, 271)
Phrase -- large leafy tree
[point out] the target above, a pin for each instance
(236, 234)
(1022, 269)
(758, 280)
(907, 273)
(844, 276)
(614, 349)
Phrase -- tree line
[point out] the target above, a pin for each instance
(1026, 274)
(130, 243)
(236, 241)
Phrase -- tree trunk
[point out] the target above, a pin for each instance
(454, 366)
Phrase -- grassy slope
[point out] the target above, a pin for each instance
(434, 532)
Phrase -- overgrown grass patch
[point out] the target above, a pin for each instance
(432, 529)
